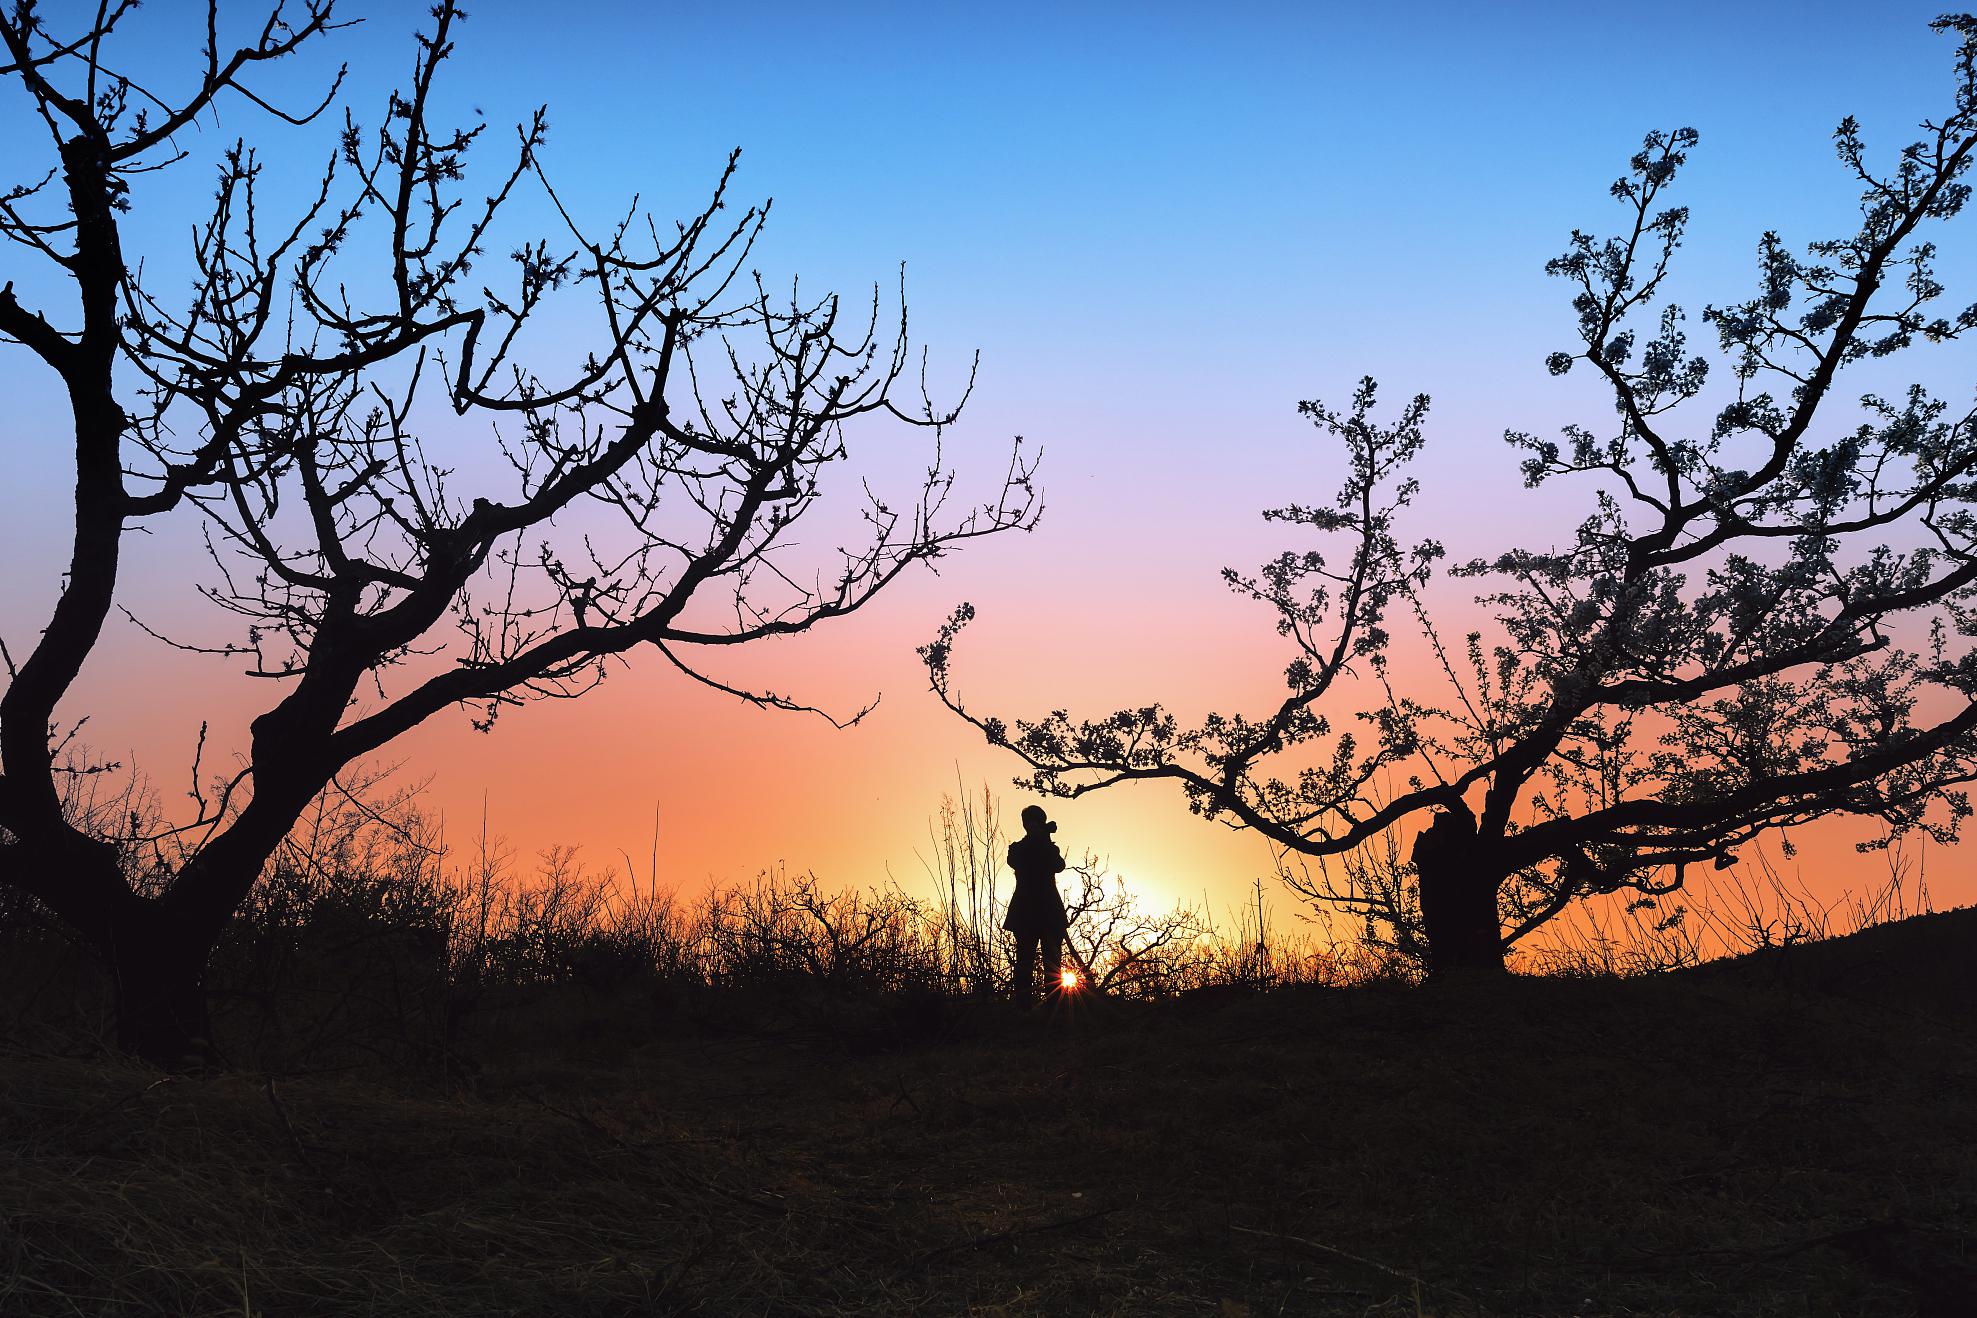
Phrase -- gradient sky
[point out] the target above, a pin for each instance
(1162, 226)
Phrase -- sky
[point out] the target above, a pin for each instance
(1161, 226)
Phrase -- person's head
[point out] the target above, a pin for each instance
(1036, 822)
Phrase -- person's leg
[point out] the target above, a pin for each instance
(1053, 963)
(1026, 967)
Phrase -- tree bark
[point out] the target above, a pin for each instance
(158, 971)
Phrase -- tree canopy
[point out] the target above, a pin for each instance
(414, 496)
(1764, 618)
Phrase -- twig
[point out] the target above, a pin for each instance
(647, 1152)
(1775, 1250)
(106, 1108)
(301, 1149)
(1363, 1262)
(995, 1237)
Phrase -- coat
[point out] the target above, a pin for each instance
(1036, 911)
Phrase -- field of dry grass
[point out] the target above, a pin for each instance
(1791, 1133)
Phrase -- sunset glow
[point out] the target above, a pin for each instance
(1161, 233)
(935, 659)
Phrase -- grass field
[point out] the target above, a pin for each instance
(1791, 1133)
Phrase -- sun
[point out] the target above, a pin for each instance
(1068, 980)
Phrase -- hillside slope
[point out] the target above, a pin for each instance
(1789, 1133)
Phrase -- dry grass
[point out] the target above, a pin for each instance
(1786, 1134)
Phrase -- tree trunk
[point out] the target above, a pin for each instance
(159, 974)
(1459, 914)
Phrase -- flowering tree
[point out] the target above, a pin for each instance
(644, 494)
(1765, 617)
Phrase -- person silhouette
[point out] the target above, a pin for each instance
(1036, 913)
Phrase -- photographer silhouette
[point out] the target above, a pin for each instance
(1036, 912)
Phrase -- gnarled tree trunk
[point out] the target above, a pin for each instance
(158, 971)
(1458, 891)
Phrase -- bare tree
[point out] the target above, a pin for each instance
(1764, 619)
(648, 489)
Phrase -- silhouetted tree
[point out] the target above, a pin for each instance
(647, 488)
(1765, 617)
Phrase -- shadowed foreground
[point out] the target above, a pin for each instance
(1787, 1134)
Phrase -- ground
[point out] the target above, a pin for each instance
(1791, 1133)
